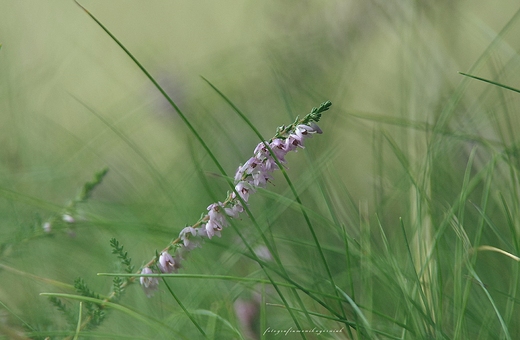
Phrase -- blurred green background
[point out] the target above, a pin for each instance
(72, 103)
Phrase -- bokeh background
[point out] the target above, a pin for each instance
(72, 103)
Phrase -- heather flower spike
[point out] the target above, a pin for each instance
(255, 173)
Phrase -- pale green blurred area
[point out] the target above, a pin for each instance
(72, 102)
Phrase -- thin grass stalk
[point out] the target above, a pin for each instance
(367, 295)
(188, 314)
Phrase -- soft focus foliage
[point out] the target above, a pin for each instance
(406, 218)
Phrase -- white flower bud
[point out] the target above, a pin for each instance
(149, 284)
(67, 218)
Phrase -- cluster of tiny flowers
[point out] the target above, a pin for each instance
(166, 264)
(254, 173)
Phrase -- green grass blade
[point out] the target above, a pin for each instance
(493, 304)
(12, 312)
(491, 82)
(188, 314)
(359, 313)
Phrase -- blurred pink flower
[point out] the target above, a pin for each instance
(149, 284)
